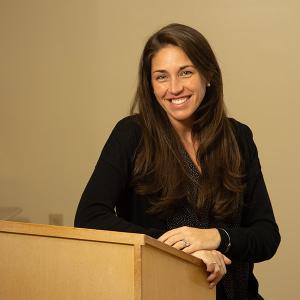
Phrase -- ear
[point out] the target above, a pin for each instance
(209, 78)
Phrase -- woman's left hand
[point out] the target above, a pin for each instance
(215, 262)
(190, 239)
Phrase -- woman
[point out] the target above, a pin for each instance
(183, 172)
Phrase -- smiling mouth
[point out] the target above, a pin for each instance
(179, 101)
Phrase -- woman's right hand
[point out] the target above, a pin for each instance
(215, 263)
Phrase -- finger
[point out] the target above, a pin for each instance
(219, 266)
(210, 260)
(218, 256)
(174, 239)
(214, 270)
(223, 270)
(212, 267)
(216, 259)
(212, 277)
(165, 236)
(191, 249)
(169, 234)
(179, 245)
(223, 267)
(207, 259)
(227, 261)
(213, 261)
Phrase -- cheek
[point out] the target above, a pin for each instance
(202, 92)
(158, 91)
(201, 89)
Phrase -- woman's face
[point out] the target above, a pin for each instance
(178, 86)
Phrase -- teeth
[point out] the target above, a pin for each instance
(179, 100)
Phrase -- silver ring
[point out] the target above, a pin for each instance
(186, 243)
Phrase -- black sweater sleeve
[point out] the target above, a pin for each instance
(258, 237)
(109, 183)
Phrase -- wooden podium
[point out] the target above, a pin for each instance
(54, 262)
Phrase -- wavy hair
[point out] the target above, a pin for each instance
(159, 169)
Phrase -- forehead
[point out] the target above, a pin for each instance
(168, 57)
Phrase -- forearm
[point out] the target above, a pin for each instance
(254, 244)
(255, 235)
(100, 217)
(109, 185)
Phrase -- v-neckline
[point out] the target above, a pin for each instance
(190, 163)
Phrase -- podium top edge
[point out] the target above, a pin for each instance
(72, 233)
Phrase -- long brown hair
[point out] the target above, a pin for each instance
(159, 171)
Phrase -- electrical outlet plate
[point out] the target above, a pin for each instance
(56, 219)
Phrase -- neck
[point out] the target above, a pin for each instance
(184, 130)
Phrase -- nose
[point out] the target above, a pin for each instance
(176, 86)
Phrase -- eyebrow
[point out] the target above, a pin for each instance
(181, 68)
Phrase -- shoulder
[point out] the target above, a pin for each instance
(241, 130)
(127, 132)
(122, 143)
(128, 125)
(244, 138)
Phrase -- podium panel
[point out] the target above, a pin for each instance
(55, 262)
(169, 277)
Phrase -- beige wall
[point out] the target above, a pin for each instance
(68, 73)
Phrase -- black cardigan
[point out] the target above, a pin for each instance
(109, 203)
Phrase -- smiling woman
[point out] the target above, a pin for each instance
(181, 171)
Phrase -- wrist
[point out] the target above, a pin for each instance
(216, 239)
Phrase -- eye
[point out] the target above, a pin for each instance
(161, 77)
(186, 73)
